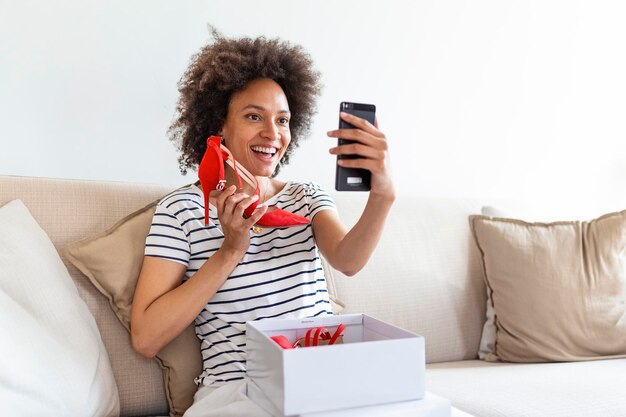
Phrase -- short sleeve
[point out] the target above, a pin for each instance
(319, 200)
(167, 238)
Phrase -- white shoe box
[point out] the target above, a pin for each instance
(377, 364)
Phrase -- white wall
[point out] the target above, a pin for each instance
(520, 99)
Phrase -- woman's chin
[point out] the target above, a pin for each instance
(264, 171)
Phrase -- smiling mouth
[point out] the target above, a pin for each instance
(264, 151)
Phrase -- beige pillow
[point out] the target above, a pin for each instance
(558, 289)
(112, 261)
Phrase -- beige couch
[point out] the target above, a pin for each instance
(425, 276)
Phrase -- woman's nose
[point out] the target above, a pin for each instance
(270, 130)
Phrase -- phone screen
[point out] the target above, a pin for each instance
(353, 179)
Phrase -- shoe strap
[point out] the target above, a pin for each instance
(314, 335)
(225, 155)
(337, 333)
(238, 168)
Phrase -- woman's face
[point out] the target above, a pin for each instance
(256, 129)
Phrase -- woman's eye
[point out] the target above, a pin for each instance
(255, 117)
(283, 120)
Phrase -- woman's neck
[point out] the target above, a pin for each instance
(231, 179)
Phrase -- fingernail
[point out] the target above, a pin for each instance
(343, 113)
(255, 197)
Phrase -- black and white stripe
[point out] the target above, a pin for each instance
(280, 276)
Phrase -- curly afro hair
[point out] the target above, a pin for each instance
(226, 66)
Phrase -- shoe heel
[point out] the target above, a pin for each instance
(206, 207)
(211, 172)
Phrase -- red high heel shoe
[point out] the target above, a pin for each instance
(314, 337)
(211, 175)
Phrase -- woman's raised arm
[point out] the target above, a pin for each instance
(348, 252)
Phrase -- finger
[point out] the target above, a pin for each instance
(360, 150)
(232, 204)
(221, 196)
(360, 123)
(358, 135)
(256, 215)
(243, 204)
(374, 166)
(366, 147)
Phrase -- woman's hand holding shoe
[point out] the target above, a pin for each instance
(230, 211)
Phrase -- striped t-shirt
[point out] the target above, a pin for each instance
(280, 276)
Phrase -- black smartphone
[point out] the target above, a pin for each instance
(353, 179)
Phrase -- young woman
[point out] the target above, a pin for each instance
(258, 96)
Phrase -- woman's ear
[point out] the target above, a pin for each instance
(221, 133)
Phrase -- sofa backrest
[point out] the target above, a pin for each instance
(424, 276)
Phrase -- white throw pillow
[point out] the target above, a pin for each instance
(52, 359)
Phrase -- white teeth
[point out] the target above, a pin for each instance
(264, 149)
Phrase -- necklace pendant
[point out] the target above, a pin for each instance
(256, 229)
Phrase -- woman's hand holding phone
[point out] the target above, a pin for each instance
(367, 153)
(370, 145)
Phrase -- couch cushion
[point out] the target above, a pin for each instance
(52, 359)
(69, 210)
(575, 389)
(424, 275)
(557, 288)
